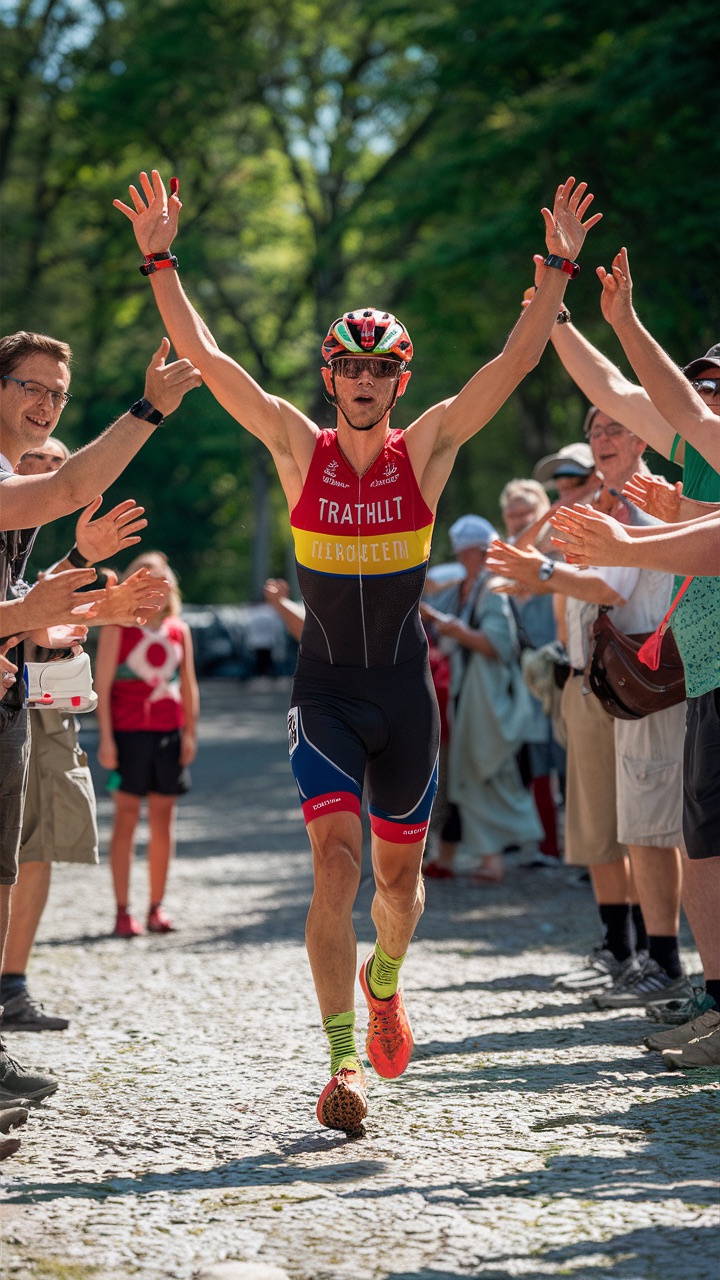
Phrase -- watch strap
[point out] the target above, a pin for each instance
(146, 411)
(572, 269)
(77, 560)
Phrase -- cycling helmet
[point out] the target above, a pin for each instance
(368, 332)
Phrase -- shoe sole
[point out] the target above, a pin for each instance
(342, 1106)
(9, 1025)
(13, 1099)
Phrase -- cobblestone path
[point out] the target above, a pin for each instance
(532, 1135)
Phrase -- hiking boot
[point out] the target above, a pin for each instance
(17, 1082)
(158, 920)
(701, 1052)
(343, 1102)
(641, 982)
(8, 1147)
(126, 926)
(599, 970)
(676, 1037)
(390, 1041)
(12, 1118)
(22, 1013)
(678, 1012)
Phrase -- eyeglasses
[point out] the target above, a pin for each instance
(36, 391)
(612, 429)
(706, 386)
(353, 366)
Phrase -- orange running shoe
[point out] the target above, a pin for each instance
(390, 1039)
(343, 1102)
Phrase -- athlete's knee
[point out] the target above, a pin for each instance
(401, 888)
(336, 863)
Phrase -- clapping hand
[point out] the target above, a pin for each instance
(588, 537)
(616, 298)
(154, 216)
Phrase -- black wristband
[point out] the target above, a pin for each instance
(158, 262)
(77, 560)
(572, 269)
(146, 411)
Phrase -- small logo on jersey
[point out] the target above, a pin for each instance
(330, 476)
(389, 476)
(293, 734)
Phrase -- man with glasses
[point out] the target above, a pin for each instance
(362, 501)
(677, 413)
(34, 381)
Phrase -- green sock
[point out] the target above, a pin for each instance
(340, 1031)
(384, 974)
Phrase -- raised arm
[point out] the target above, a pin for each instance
(666, 385)
(435, 438)
(35, 500)
(523, 567)
(280, 426)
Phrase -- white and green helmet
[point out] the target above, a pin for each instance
(368, 332)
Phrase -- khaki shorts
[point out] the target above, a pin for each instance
(590, 806)
(59, 823)
(14, 752)
(648, 778)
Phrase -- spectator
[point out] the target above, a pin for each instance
(492, 709)
(59, 821)
(148, 703)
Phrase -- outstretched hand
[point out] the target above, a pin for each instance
(565, 230)
(589, 537)
(616, 298)
(154, 216)
(656, 496)
(520, 566)
(166, 384)
(115, 531)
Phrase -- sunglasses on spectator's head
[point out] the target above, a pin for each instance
(376, 366)
(706, 386)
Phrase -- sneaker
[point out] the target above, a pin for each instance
(17, 1082)
(599, 970)
(126, 926)
(641, 981)
(676, 1037)
(434, 871)
(343, 1102)
(158, 921)
(8, 1147)
(390, 1041)
(678, 1012)
(22, 1013)
(701, 1052)
(12, 1118)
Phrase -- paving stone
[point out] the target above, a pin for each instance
(532, 1135)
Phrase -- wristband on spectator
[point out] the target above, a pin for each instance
(146, 411)
(158, 262)
(77, 560)
(572, 269)
(563, 317)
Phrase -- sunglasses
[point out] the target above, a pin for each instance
(353, 366)
(706, 386)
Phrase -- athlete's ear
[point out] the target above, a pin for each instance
(404, 379)
(327, 379)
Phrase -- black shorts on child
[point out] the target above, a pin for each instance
(149, 760)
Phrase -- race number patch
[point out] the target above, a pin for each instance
(293, 736)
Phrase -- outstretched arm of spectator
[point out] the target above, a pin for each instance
(591, 538)
(98, 540)
(523, 567)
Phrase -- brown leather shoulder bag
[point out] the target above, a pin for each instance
(626, 686)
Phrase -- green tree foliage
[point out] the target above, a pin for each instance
(396, 153)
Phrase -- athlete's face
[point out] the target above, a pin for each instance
(363, 397)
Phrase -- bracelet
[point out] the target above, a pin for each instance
(146, 411)
(158, 262)
(77, 560)
(563, 317)
(572, 269)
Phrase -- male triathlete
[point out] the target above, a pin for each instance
(362, 499)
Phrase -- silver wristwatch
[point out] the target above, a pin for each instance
(546, 570)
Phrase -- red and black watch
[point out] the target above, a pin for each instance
(571, 269)
(158, 262)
